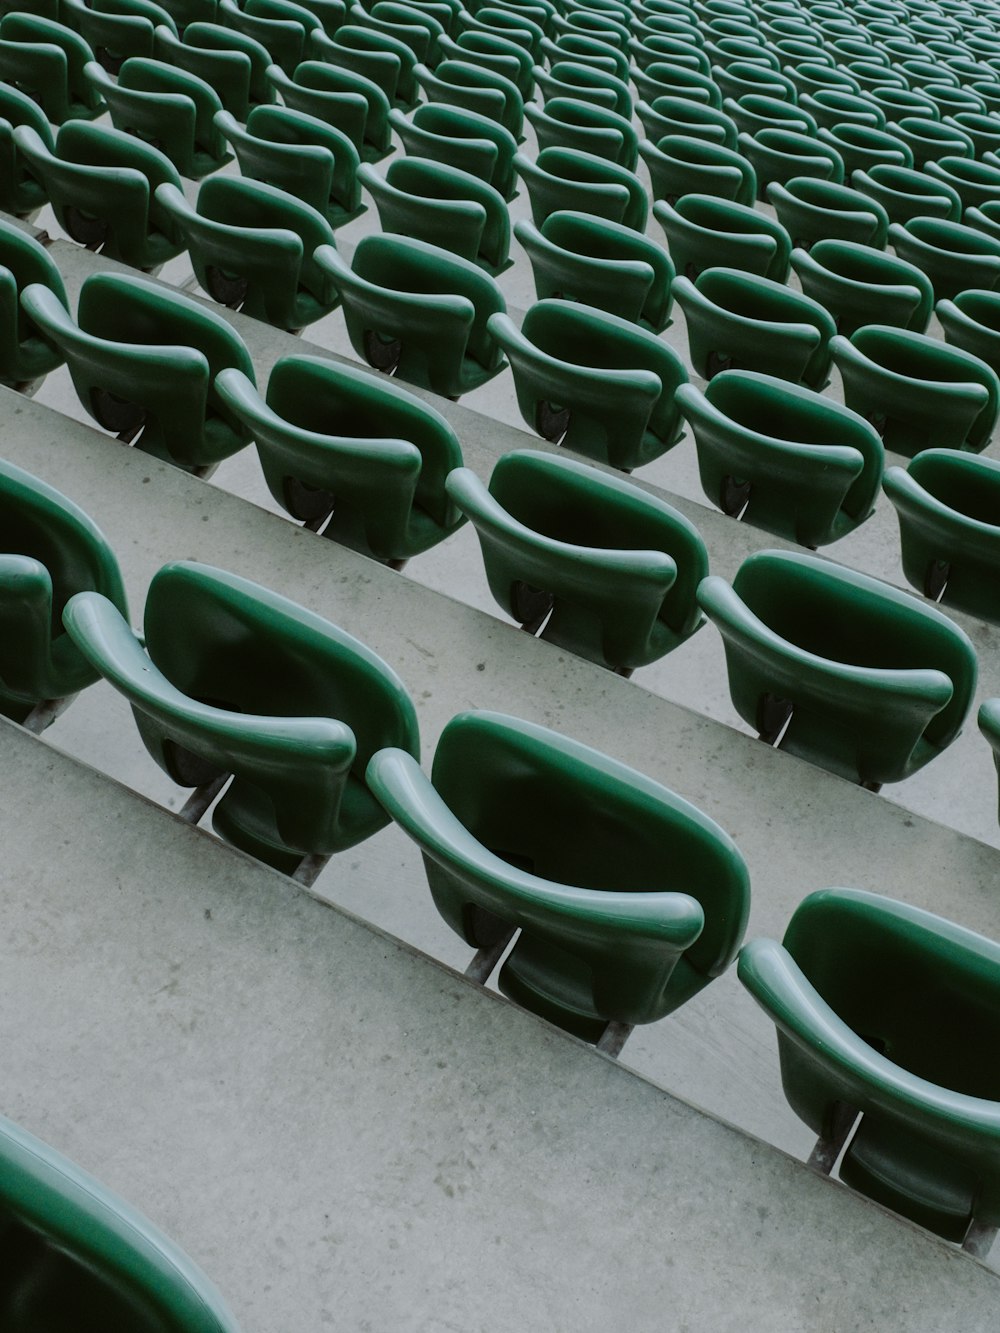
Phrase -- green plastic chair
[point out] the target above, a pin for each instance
(492, 52)
(918, 393)
(928, 139)
(585, 83)
(976, 183)
(839, 668)
(577, 257)
(679, 165)
(564, 122)
(418, 312)
(703, 232)
(46, 61)
(102, 184)
(830, 107)
(444, 206)
(947, 507)
(585, 560)
(860, 285)
(885, 1010)
(51, 550)
(144, 358)
(25, 357)
(78, 1256)
(232, 679)
(472, 88)
(376, 55)
(461, 139)
(564, 178)
(782, 458)
(234, 65)
(744, 77)
(598, 384)
(953, 256)
(983, 130)
(403, 24)
(741, 321)
(579, 49)
(680, 115)
(622, 917)
(784, 155)
(894, 102)
(168, 108)
(347, 101)
(756, 111)
(812, 210)
(116, 30)
(972, 321)
(663, 78)
(809, 77)
(21, 194)
(300, 155)
(861, 147)
(355, 457)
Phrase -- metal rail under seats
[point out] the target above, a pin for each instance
(839, 668)
(782, 458)
(884, 1015)
(236, 682)
(598, 384)
(585, 560)
(628, 900)
(351, 454)
(418, 312)
(143, 360)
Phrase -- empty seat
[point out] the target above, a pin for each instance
(862, 147)
(976, 183)
(782, 458)
(929, 139)
(463, 84)
(77, 1255)
(566, 122)
(565, 178)
(25, 356)
(905, 193)
(919, 393)
(667, 116)
(741, 321)
(886, 1012)
(447, 207)
(46, 60)
(598, 384)
(236, 680)
(579, 257)
(116, 30)
(586, 561)
(972, 322)
(460, 139)
(948, 506)
(628, 899)
(838, 667)
(812, 210)
(233, 64)
(378, 56)
(493, 52)
(49, 551)
(102, 185)
(21, 193)
(757, 111)
(144, 359)
(783, 155)
(703, 232)
(351, 455)
(418, 312)
(252, 247)
(860, 285)
(679, 165)
(347, 101)
(953, 256)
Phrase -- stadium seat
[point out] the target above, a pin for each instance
(860, 285)
(976, 183)
(929, 139)
(972, 322)
(783, 155)
(21, 193)
(812, 210)
(46, 60)
(462, 139)
(862, 147)
(116, 30)
(347, 101)
(378, 56)
(703, 232)
(234, 65)
(565, 178)
(679, 165)
(953, 256)
(472, 88)
(566, 122)
(25, 357)
(693, 120)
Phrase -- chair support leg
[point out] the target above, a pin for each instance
(979, 1239)
(45, 713)
(824, 1155)
(310, 868)
(614, 1037)
(483, 963)
(201, 798)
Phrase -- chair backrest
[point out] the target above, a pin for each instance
(463, 139)
(811, 209)
(565, 178)
(704, 232)
(24, 355)
(656, 892)
(860, 285)
(21, 193)
(76, 1254)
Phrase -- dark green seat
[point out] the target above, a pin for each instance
(404, 24)
(783, 458)
(578, 257)
(598, 384)
(905, 193)
(839, 668)
(860, 285)
(376, 55)
(347, 101)
(862, 147)
(679, 165)
(812, 210)
(585, 83)
(783, 155)
(144, 358)
(50, 551)
(741, 321)
(703, 232)
(583, 559)
(77, 1256)
(831, 106)
(301, 155)
(493, 52)
(25, 357)
(972, 321)
(20, 192)
(46, 60)
(948, 505)
(757, 111)
(462, 84)
(351, 455)
(743, 77)
(236, 680)
(663, 78)
(233, 64)
(564, 122)
(953, 256)
(628, 899)
(989, 725)
(102, 186)
(929, 139)
(885, 1010)
(418, 312)
(283, 28)
(449, 208)
(694, 120)
(919, 393)
(462, 139)
(116, 30)
(252, 248)
(982, 129)
(168, 108)
(985, 218)
(564, 178)
(810, 77)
